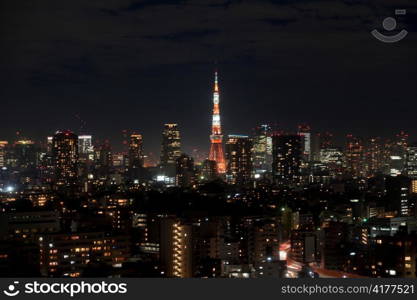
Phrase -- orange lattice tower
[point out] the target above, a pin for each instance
(216, 137)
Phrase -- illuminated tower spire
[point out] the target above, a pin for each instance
(216, 137)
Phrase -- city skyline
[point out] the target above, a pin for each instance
(208, 139)
(117, 143)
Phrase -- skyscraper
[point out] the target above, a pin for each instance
(374, 156)
(355, 157)
(304, 131)
(25, 154)
(208, 170)
(401, 143)
(135, 151)
(239, 159)
(85, 145)
(287, 155)
(171, 145)
(332, 158)
(49, 144)
(262, 149)
(318, 142)
(3, 145)
(397, 190)
(104, 159)
(216, 137)
(135, 172)
(65, 158)
(185, 171)
(411, 162)
(398, 154)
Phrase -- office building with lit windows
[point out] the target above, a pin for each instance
(396, 155)
(333, 159)
(136, 151)
(305, 132)
(208, 171)
(3, 151)
(85, 145)
(287, 155)
(27, 225)
(374, 156)
(411, 162)
(238, 159)
(171, 145)
(398, 194)
(25, 154)
(65, 158)
(70, 255)
(185, 171)
(355, 157)
(262, 149)
(304, 246)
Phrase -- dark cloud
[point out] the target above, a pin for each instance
(140, 5)
(137, 64)
(110, 12)
(180, 37)
(278, 22)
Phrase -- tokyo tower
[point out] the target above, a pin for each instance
(216, 137)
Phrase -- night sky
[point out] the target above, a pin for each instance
(130, 64)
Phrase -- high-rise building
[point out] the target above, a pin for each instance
(263, 242)
(287, 155)
(374, 156)
(86, 158)
(118, 160)
(401, 144)
(411, 162)
(305, 132)
(318, 142)
(398, 190)
(171, 144)
(239, 159)
(185, 171)
(85, 145)
(47, 169)
(304, 245)
(396, 154)
(49, 144)
(332, 158)
(65, 158)
(69, 254)
(216, 149)
(355, 166)
(208, 170)
(3, 145)
(25, 154)
(262, 149)
(136, 172)
(136, 151)
(333, 245)
(104, 159)
(176, 248)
